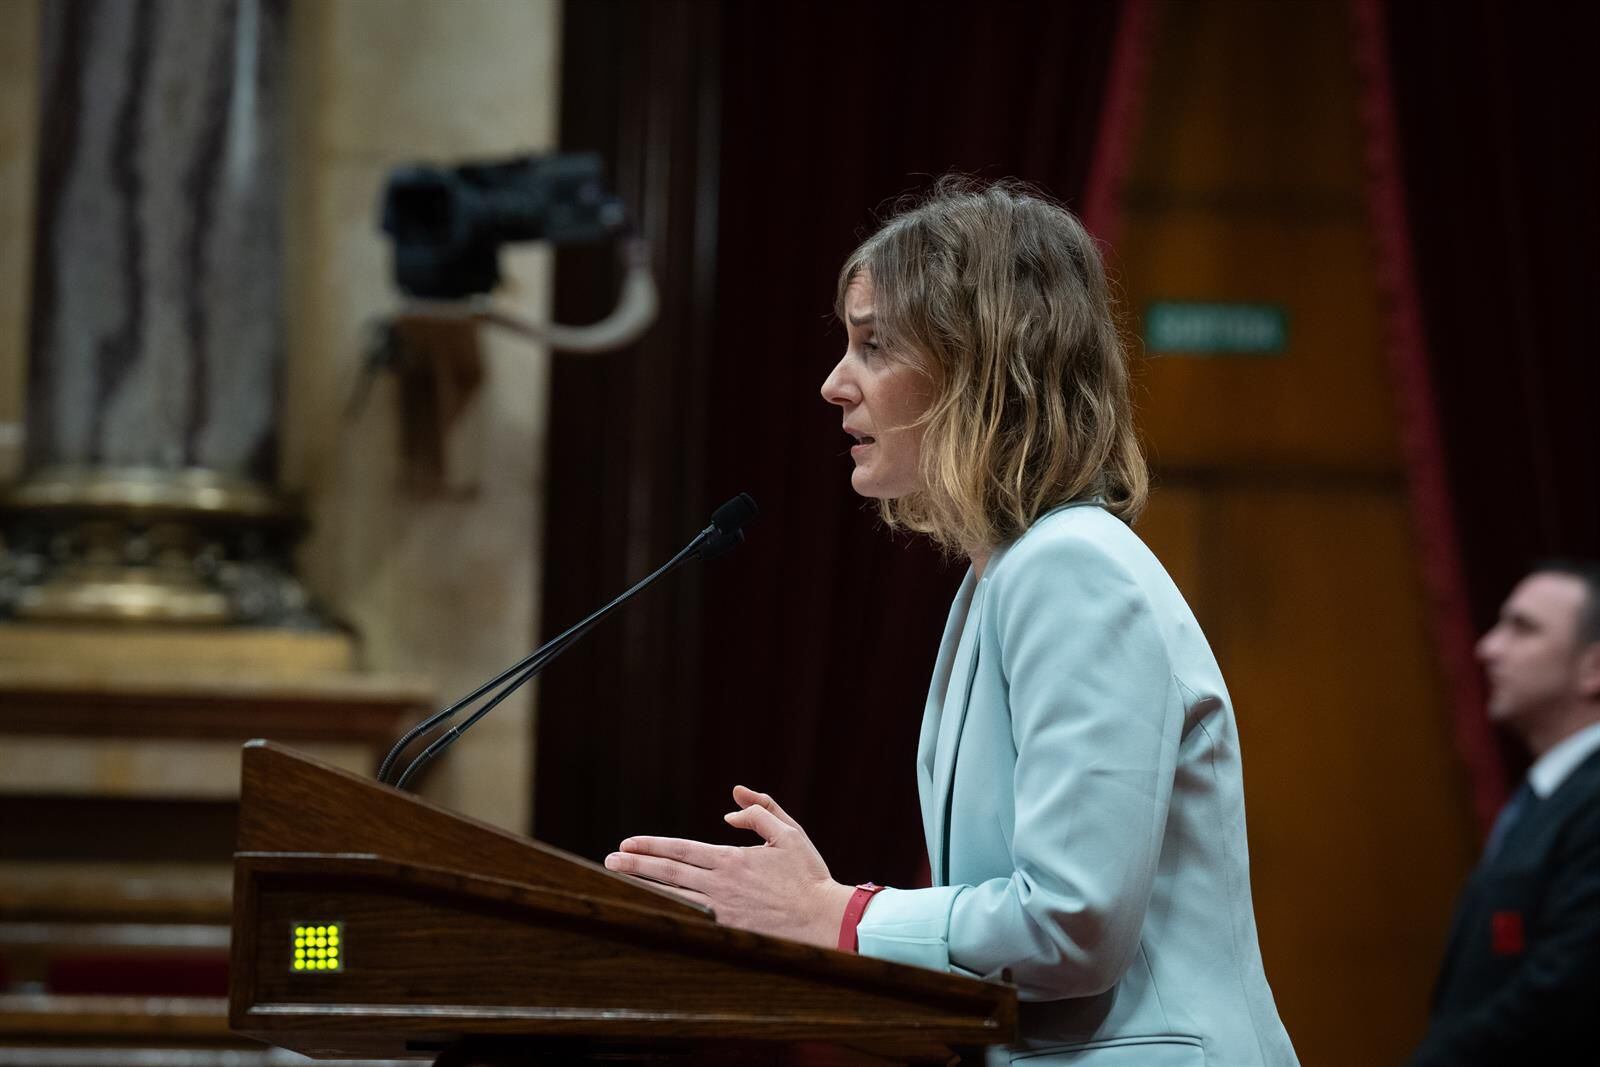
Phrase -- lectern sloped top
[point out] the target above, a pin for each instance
(290, 802)
(370, 923)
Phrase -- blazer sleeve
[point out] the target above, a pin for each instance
(1096, 719)
(1550, 1001)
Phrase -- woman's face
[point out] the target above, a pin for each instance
(881, 395)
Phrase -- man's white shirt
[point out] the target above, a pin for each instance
(1552, 768)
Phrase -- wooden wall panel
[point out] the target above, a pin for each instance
(1252, 96)
(1280, 509)
(1323, 403)
(1356, 841)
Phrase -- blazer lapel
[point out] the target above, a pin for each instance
(957, 691)
(932, 713)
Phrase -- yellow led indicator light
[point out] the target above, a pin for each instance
(316, 947)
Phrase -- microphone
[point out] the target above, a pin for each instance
(724, 533)
(728, 521)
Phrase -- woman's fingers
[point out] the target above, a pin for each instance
(669, 872)
(693, 853)
(745, 796)
(758, 818)
(772, 888)
(690, 895)
(671, 860)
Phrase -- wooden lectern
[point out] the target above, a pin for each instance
(368, 923)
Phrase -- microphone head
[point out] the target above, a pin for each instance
(735, 513)
(721, 544)
(726, 532)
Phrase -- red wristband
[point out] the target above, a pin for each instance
(853, 912)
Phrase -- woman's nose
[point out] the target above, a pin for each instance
(837, 388)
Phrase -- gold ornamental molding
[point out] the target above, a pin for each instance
(138, 544)
(146, 491)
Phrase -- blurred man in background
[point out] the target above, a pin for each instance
(1520, 981)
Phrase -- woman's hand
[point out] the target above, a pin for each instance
(781, 887)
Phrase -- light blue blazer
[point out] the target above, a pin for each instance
(1084, 813)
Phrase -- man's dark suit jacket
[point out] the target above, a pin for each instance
(1521, 977)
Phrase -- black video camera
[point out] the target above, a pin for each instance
(448, 223)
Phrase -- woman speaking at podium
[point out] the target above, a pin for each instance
(1078, 766)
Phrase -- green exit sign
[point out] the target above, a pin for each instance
(1176, 326)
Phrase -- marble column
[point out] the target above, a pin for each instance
(157, 326)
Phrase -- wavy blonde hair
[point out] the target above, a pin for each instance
(999, 296)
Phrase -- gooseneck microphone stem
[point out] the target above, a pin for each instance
(534, 661)
(723, 534)
(524, 672)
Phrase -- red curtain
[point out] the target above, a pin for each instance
(1489, 225)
